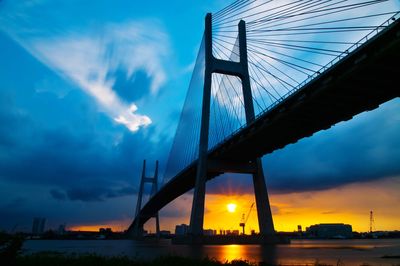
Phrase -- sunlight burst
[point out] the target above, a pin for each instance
(231, 207)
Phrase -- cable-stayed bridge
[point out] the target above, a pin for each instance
(267, 74)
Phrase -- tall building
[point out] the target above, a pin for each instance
(181, 230)
(61, 229)
(299, 229)
(330, 231)
(38, 226)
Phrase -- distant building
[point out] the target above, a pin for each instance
(299, 229)
(209, 232)
(232, 232)
(181, 230)
(222, 232)
(106, 231)
(165, 233)
(330, 231)
(61, 229)
(38, 226)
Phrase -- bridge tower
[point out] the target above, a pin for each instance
(254, 167)
(138, 230)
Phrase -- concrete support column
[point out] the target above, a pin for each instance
(264, 214)
(154, 191)
(197, 214)
(138, 230)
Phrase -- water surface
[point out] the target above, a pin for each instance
(299, 252)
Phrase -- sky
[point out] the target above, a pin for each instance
(87, 92)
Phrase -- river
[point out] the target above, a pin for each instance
(299, 252)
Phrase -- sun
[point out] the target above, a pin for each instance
(231, 207)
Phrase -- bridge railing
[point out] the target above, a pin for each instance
(347, 52)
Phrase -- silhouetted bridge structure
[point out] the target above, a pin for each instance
(358, 80)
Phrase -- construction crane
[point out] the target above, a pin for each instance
(245, 218)
(371, 221)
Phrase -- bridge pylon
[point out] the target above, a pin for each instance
(137, 231)
(204, 165)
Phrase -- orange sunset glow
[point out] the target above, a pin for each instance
(115, 227)
(347, 204)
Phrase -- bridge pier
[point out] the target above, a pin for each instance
(214, 65)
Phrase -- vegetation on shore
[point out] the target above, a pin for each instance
(88, 260)
(10, 255)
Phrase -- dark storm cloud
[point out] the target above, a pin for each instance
(12, 121)
(63, 159)
(364, 149)
(15, 203)
(6, 139)
(92, 193)
(58, 157)
(85, 194)
(11, 215)
(57, 194)
(72, 151)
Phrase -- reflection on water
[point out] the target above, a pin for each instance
(299, 252)
(232, 252)
(244, 252)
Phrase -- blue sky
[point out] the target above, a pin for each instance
(89, 91)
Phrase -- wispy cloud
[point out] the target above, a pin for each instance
(90, 57)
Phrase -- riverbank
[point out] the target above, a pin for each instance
(46, 259)
(10, 255)
(129, 252)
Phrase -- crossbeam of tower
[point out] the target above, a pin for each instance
(238, 69)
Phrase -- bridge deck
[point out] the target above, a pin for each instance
(361, 81)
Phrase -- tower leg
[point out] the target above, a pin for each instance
(197, 215)
(138, 230)
(154, 191)
(265, 221)
(157, 225)
(264, 214)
